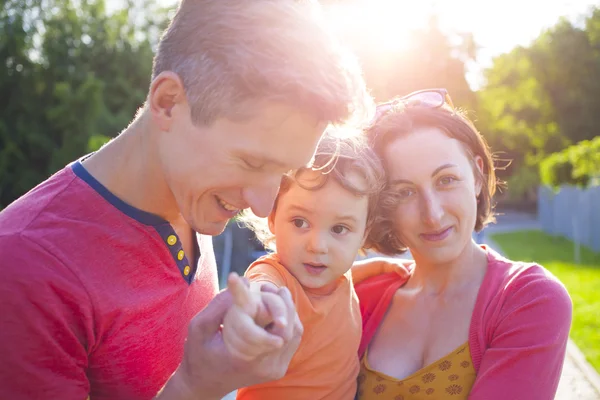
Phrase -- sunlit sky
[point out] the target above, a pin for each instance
(497, 26)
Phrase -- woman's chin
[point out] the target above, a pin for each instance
(439, 254)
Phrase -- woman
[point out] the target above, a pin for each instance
(467, 323)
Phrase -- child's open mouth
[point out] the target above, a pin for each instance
(315, 269)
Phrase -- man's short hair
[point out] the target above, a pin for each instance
(231, 54)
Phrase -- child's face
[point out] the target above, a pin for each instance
(318, 233)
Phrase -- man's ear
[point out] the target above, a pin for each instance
(166, 91)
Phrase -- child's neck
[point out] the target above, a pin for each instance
(324, 290)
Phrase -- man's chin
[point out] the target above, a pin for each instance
(211, 229)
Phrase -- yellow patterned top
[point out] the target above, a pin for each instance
(451, 377)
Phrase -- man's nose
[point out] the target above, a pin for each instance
(260, 198)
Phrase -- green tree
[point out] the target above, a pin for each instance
(540, 99)
(75, 76)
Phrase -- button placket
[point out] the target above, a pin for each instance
(180, 257)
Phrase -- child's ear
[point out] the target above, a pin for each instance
(271, 220)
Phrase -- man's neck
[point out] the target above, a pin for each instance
(129, 167)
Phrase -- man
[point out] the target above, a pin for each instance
(108, 282)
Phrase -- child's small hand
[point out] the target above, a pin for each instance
(365, 269)
(254, 317)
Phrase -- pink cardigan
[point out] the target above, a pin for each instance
(518, 333)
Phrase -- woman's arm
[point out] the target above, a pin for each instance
(528, 342)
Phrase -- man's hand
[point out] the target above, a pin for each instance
(209, 371)
(251, 314)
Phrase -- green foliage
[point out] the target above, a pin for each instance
(576, 165)
(540, 99)
(69, 73)
(556, 170)
(523, 183)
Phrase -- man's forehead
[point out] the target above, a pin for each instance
(293, 152)
(273, 115)
(284, 162)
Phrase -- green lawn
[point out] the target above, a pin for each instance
(582, 280)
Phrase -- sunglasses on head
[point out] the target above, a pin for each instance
(429, 98)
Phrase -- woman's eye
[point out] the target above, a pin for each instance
(300, 223)
(339, 229)
(446, 180)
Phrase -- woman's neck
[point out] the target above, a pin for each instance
(449, 278)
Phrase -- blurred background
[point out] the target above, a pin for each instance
(73, 73)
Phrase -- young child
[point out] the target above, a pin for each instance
(318, 225)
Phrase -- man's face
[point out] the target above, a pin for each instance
(215, 171)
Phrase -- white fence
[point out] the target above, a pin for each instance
(571, 212)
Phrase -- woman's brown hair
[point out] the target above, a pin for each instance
(402, 120)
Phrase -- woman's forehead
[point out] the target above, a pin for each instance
(424, 150)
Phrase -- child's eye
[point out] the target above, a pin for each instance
(405, 192)
(300, 223)
(339, 229)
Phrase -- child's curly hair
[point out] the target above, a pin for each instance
(335, 158)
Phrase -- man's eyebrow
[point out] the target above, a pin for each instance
(273, 161)
(264, 159)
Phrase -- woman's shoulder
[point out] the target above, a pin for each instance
(523, 282)
(516, 272)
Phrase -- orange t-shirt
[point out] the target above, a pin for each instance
(326, 364)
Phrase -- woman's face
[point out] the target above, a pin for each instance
(433, 177)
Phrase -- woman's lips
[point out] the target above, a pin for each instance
(437, 236)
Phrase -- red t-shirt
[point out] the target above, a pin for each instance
(96, 295)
